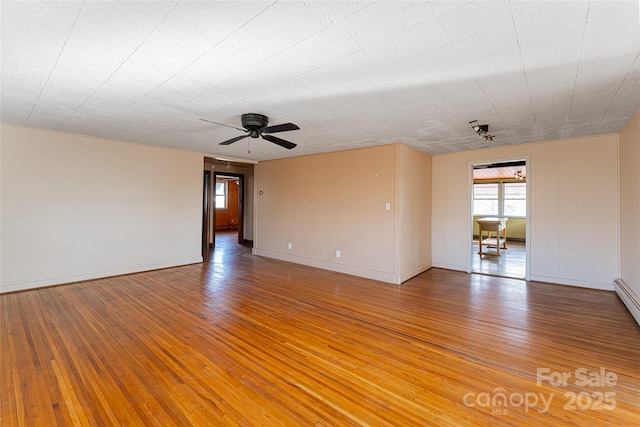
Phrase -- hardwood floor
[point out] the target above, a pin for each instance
(252, 341)
(512, 262)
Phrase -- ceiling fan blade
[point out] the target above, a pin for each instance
(280, 128)
(232, 140)
(222, 124)
(279, 141)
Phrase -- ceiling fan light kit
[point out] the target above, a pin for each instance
(255, 125)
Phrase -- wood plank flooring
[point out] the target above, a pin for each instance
(512, 262)
(252, 341)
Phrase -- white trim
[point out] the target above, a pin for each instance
(469, 243)
(628, 297)
(447, 266)
(543, 279)
(573, 282)
(382, 276)
(41, 282)
(414, 273)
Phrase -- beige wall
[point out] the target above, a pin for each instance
(630, 204)
(77, 207)
(327, 202)
(337, 201)
(413, 168)
(573, 188)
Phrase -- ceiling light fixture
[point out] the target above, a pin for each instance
(481, 130)
(518, 175)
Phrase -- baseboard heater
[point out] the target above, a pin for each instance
(628, 297)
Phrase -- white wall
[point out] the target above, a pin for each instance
(630, 204)
(77, 207)
(574, 208)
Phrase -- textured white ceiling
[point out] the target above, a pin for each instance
(350, 74)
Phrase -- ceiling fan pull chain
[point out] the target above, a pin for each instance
(249, 151)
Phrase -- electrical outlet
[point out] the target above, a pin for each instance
(337, 253)
(419, 254)
(289, 246)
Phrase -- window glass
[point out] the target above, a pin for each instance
(515, 199)
(221, 195)
(491, 200)
(485, 199)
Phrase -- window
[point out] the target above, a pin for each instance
(221, 195)
(500, 199)
(515, 199)
(485, 199)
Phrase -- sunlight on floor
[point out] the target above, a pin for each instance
(510, 263)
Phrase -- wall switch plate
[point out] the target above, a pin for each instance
(289, 245)
(337, 253)
(387, 206)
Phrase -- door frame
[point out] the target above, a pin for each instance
(241, 189)
(469, 239)
(206, 180)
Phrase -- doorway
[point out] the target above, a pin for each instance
(228, 205)
(499, 218)
(206, 209)
(237, 225)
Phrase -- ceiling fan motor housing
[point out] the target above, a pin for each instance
(255, 125)
(253, 122)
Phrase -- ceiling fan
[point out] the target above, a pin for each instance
(255, 125)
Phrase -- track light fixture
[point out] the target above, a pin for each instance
(481, 130)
